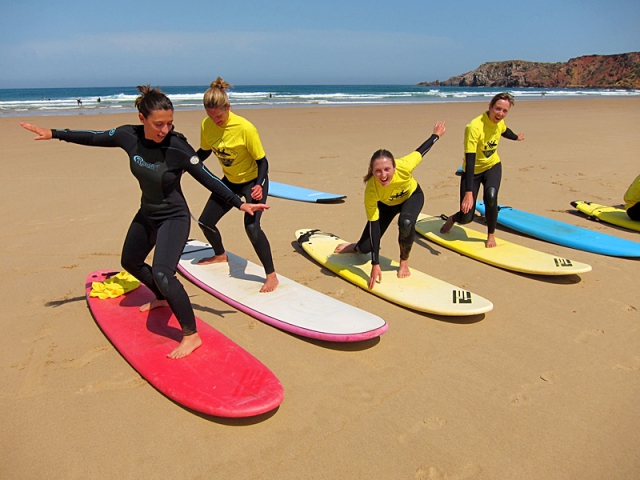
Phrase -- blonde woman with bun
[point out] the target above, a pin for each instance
(235, 142)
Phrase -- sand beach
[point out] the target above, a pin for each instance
(544, 386)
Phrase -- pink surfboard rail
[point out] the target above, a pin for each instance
(220, 378)
(292, 307)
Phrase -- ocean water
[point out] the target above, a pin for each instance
(98, 100)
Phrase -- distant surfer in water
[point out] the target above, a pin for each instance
(632, 200)
(236, 143)
(157, 157)
(391, 189)
(482, 165)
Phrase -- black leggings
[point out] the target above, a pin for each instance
(490, 180)
(409, 210)
(634, 212)
(168, 233)
(215, 209)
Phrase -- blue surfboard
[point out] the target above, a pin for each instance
(291, 192)
(564, 234)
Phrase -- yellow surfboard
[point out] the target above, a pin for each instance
(419, 291)
(507, 255)
(612, 215)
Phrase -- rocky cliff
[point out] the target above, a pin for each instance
(590, 71)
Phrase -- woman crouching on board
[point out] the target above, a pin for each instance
(157, 157)
(482, 165)
(391, 189)
(236, 143)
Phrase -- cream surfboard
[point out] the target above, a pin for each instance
(419, 292)
(291, 307)
(507, 255)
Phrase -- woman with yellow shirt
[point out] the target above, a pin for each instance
(391, 189)
(482, 165)
(236, 143)
(632, 200)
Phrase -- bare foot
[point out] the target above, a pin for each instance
(403, 271)
(270, 283)
(446, 227)
(188, 344)
(215, 259)
(345, 248)
(491, 241)
(153, 304)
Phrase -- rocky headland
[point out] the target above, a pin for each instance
(590, 71)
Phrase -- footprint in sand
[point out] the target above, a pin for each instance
(523, 397)
(625, 307)
(435, 473)
(86, 358)
(634, 366)
(133, 382)
(32, 384)
(431, 423)
(520, 399)
(587, 335)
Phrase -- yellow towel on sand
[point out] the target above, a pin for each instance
(115, 286)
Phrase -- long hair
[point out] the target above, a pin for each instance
(382, 153)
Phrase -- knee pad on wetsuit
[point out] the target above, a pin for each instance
(406, 226)
(491, 197)
(253, 232)
(162, 281)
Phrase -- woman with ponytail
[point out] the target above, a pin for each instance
(157, 157)
(390, 189)
(236, 143)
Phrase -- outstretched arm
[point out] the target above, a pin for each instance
(42, 133)
(508, 133)
(215, 186)
(438, 130)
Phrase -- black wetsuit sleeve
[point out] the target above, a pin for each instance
(90, 138)
(374, 236)
(426, 146)
(508, 133)
(469, 168)
(263, 170)
(203, 154)
(213, 184)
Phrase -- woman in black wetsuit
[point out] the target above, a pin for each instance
(157, 157)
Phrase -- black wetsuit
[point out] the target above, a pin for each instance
(214, 210)
(163, 220)
(408, 210)
(490, 180)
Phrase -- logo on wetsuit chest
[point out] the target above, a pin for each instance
(140, 161)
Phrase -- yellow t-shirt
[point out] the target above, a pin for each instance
(481, 136)
(400, 188)
(632, 196)
(237, 146)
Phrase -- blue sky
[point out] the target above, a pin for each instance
(69, 43)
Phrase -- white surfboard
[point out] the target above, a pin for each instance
(291, 307)
(419, 291)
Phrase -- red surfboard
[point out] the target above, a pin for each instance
(219, 378)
